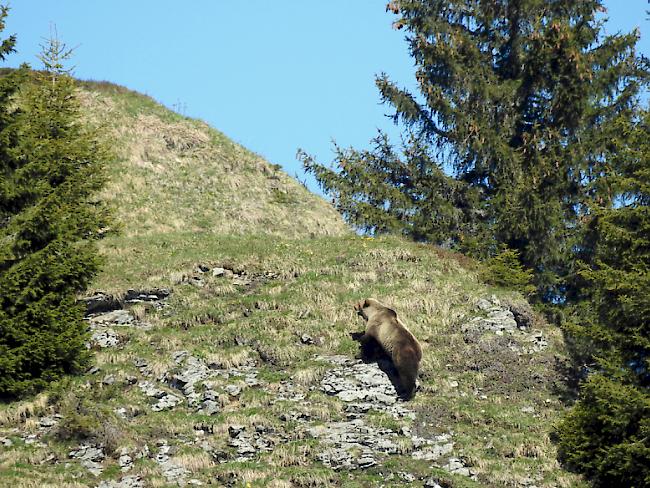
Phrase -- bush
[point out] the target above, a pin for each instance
(505, 270)
(83, 419)
(606, 435)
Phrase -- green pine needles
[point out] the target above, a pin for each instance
(51, 170)
(607, 434)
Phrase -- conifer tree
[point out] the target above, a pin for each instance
(521, 98)
(607, 433)
(51, 220)
(9, 85)
(382, 191)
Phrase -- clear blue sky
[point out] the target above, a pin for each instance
(272, 75)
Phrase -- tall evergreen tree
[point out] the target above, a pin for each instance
(607, 434)
(9, 86)
(520, 97)
(51, 219)
(381, 191)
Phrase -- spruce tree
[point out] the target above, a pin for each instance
(405, 191)
(520, 97)
(607, 433)
(51, 221)
(9, 85)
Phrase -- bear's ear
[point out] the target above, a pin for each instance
(391, 312)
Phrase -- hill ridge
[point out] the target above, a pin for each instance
(193, 177)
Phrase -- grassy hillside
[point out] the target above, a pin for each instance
(243, 375)
(175, 174)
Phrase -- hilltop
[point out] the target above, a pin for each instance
(223, 349)
(175, 174)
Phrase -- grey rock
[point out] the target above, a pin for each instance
(233, 390)
(192, 372)
(196, 281)
(385, 445)
(306, 339)
(456, 466)
(47, 422)
(484, 305)
(209, 407)
(431, 483)
(408, 477)
(90, 457)
(218, 272)
(140, 363)
(121, 412)
(405, 431)
(244, 448)
(251, 380)
(362, 386)
(497, 320)
(384, 398)
(144, 452)
(351, 395)
(125, 482)
(166, 400)
(235, 430)
(126, 462)
(150, 390)
(135, 296)
(366, 461)
(105, 338)
(210, 394)
(170, 470)
(115, 317)
(6, 442)
(101, 302)
(166, 403)
(336, 459)
(88, 452)
(179, 356)
(434, 452)
(108, 380)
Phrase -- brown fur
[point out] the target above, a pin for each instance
(384, 327)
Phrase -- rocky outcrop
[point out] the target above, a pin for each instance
(512, 319)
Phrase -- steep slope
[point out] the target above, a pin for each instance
(224, 356)
(174, 174)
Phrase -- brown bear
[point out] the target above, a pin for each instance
(384, 328)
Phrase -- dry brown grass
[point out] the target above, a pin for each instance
(183, 165)
(111, 356)
(60, 483)
(308, 376)
(32, 457)
(280, 484)
(286, 455)
(312, 480)
(20, 412)
(194, 462)
(229, 358)
(250, 475)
